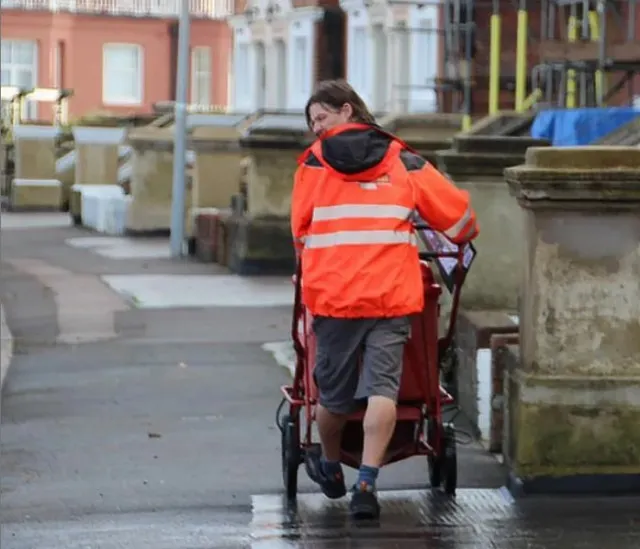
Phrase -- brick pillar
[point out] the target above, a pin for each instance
(574, 398)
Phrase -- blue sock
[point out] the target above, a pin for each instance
(368, 475)
(331, 468)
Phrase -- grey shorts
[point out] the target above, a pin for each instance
(340, 344)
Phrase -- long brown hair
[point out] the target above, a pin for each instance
(333, 94)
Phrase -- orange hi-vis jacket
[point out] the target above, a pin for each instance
(356, 193)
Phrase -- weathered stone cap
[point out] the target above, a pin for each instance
(150, 138)
(397, 122)
(484, 155)
(215, 132)
(584, 158)
(496, 144)
(604, 174)
(278, 131)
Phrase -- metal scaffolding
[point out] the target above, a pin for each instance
(579, 45)
(587, 44)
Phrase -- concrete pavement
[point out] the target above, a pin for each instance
(163, 436)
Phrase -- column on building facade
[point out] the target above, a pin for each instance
(241, 98)
(360, 56)
(302, 55)
(393, 54)
(425, 56)
(273, 56)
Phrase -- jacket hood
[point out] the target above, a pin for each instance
(356, 151)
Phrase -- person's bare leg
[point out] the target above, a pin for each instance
(379, 424)
(330, 427)
(382, 373)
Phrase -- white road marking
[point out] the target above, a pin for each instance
(178, 291)
(85, 306)
(123, 247)
(35, 220)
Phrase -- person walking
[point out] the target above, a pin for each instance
(357, 190)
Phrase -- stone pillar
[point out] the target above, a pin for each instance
(5, 152)
(490, 295)
(35, 151)
(574, 398)
(217, 169)
(259, 236)
(94, 161)
(476, 164)
(430, 126)
(97, 155)
(149, 211)
(273, 145)
(424, 132)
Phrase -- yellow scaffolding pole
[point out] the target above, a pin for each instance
(594, 28)
(521, 56)
(572, 33)
(494, 68)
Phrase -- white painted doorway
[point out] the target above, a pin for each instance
(260, 76)
(425, 58)
(379, 92)
(280, 54)
(402, 66)
(242, 80)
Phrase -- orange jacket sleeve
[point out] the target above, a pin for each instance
(442, 205)
(301, 206)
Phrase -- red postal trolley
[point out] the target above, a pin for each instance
(420, 428)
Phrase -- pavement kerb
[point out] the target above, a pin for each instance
(6, 347)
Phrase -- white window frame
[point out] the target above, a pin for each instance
(30, 110)
(135, 100)
(198, 73)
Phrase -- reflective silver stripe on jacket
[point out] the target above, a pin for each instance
(360, 238)
(454, 231)
(354, 211)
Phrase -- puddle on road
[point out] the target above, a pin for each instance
(406, 515)
(474, 519)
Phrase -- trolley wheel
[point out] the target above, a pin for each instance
(290, 456)
(450, 460)
(434, 462)
(444, 467)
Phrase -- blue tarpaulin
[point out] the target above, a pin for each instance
(574, 127)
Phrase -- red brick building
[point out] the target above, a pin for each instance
(115, 56)
(281, 48)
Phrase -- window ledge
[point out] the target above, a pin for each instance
(121, 103)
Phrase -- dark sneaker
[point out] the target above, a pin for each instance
(332, 486)
(364, 502)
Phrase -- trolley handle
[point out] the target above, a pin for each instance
(426, 256)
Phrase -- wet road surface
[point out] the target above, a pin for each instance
(150, 442)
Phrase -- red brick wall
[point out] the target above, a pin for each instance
(83, 37)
